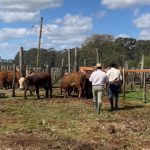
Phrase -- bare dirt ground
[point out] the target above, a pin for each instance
(72, 124)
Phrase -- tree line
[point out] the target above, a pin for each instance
(102, 48)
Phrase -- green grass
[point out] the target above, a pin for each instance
(137, 94)
(60, 122)
(70, 122)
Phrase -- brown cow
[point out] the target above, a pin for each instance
(6, 78)
(74, 80)
(38, 80)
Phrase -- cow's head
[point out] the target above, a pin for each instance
(26, 83)
(21, 83)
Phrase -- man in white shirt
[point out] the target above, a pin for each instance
(98, 79)
(114, 76)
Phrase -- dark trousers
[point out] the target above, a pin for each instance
(113, 93)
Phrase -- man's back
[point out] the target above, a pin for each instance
(113, 74)
(98, 77)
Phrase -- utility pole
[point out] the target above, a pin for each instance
(39, 43)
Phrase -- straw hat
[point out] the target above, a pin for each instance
(98, 65)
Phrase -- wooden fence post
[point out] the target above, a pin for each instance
(14, 77)
(142, 73)
(21, 61)
(62, 67)
(144, 87)
(48, 69)
(97, 56)
(123, 83)
(84, 62)
(69, 66)
(75, 59)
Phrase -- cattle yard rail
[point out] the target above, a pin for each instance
(142, 72)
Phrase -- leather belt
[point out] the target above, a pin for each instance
(97, 85)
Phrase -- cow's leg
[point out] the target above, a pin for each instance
(70, 89)
(50, 89)
(37, 92)
(80, 93)
(25, 92)
(66, 94)
(46, 92)
(30, 92)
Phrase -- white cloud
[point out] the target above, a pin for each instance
(29, 5)
(143, 21)
(68, 32)
(8, 50)
(114, 4)
(9, 17)
(61, 42)
(145, 34)
(12, 33)
(24, 10)
(74, 24)
(122, 35)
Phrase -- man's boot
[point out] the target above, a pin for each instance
(99, 107)
(111, 104)
(116, 104)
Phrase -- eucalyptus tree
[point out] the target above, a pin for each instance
(143, 48)
(97, 43)
(129, 44)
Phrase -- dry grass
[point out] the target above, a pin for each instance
(60, 123)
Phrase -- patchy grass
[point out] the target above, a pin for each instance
(137, 94)
(60, 123)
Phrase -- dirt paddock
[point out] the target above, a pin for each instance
(72, 124)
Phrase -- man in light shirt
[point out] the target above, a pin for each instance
(98, 79)
(114, 76)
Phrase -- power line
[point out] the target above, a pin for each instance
(40, 30)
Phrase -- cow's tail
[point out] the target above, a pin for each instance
(61, 88)
(83, 86)
(50, 86)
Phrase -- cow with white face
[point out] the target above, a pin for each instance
(35, 81)
(21, 80)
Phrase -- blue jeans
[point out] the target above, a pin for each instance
(113, 90)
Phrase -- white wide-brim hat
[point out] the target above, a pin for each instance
(98, 65)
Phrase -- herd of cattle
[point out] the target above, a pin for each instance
(76, 82)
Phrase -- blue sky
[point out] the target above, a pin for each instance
(67, 23)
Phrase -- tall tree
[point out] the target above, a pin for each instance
(129, 44)
(97, 43)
